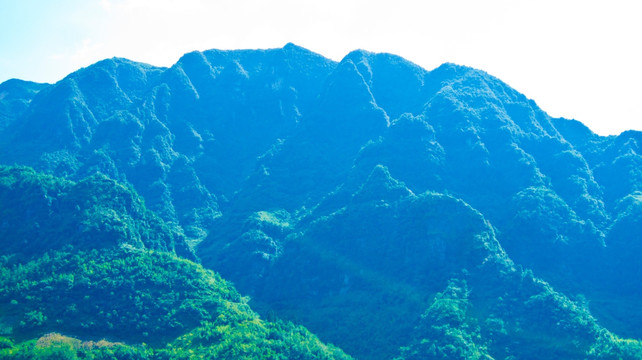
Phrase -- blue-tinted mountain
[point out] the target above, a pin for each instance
(394, 211)
(174, 133)
(15, 98)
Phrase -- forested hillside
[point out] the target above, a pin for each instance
(395, 212)
(88, 260)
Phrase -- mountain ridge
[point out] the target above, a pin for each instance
(278, 162)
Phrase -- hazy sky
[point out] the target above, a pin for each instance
(576, 59)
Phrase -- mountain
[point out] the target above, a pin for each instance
(177, 128)
(394, 211)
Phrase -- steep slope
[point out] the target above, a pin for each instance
(614, 161)
(88, 259)
(172, 133)
(370, 262)
(474, 138)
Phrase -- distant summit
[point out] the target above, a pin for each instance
(15, 97)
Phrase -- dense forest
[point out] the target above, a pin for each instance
(395, 212)
(117, 276)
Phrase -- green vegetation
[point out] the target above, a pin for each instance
(54, 346)
(124, 293)
(114, 279)
(526, 319)
(448, 329)
(138, 296)
(388, 254)
(40, 212)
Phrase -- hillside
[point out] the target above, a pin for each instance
(392, 210)
(88, 259)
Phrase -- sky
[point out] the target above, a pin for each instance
(577, 59)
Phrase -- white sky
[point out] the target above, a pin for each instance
(576, 59)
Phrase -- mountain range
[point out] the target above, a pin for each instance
(395, 212)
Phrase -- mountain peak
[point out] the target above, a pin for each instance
(358, 54)
(294, 47)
